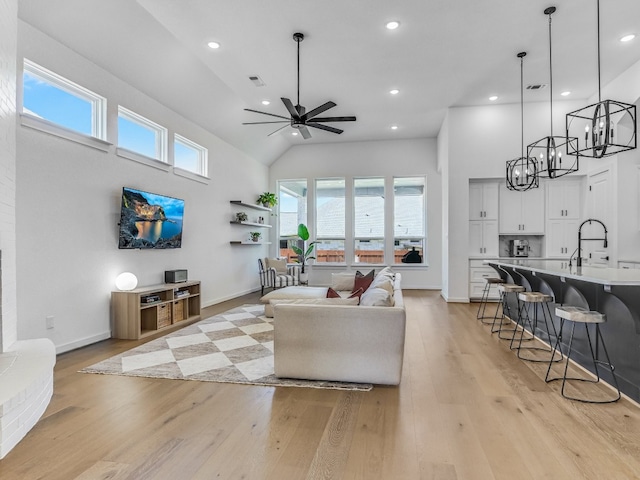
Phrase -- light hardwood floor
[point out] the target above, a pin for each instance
(466, 409)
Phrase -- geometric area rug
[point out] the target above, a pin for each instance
(235, 346)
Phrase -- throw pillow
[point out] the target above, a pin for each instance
(342, 281)
(331, 293)
(357, 294)
(382, 281)
(376, 297)
(280, 266)
(363, 281)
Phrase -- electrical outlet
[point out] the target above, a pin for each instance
(50, 323)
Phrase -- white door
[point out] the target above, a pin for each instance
(600, 207)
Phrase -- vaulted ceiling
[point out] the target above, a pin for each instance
(446, 53)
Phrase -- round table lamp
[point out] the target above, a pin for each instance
(126, 281)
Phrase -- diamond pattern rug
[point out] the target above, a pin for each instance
(233, 347)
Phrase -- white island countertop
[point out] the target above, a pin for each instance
(586, 273)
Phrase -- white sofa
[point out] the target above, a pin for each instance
(348, 343)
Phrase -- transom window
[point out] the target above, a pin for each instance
(140, 135)
(51, 97)
(189, 156)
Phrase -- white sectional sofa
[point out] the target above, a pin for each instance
(334, 342)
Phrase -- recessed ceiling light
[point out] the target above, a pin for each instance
(266, 102)
(564, 94)
(394, 127)
(628, 38)
(213, 45)
(392, 25)
(493, 98)
(395, 91)
(294, 133)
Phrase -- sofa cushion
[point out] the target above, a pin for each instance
(386, 272)
(383, 281)
(343, 281)
(363, 281)
(279, 265)
(376, 297)
(268, 308)
(295, 292)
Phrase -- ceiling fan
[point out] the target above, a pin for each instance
(299, 117)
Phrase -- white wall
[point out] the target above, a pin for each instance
(68, 205)
(382, 158)
(8, 305)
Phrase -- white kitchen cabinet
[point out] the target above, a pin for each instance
(564, 199)
(522, 212)
(561, 238)
(483, 201)
(483, 238)
(478, 271)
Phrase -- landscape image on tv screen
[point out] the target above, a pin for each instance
(148, 220)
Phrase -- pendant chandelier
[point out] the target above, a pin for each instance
(552, 150)
(609, 126)
(522, 172)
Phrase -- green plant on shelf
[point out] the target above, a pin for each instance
(267, 199)
(255, 236)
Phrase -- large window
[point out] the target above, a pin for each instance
(368, 221)
(330, 220)
(292, 202)
(141, 136)
(50, 97)
(189, 156)
(409, 218)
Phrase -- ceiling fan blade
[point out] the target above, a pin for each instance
(291, 108)
(305, 132)
(265, 113)
(324, 127)
(334, 119)
(319, 110)
(261, 123)
(276, 131)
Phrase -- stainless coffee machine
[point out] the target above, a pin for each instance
(518, 248)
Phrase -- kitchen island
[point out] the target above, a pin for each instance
(612, 291)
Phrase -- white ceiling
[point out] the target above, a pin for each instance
(446, 53)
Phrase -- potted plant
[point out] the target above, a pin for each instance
(305, 253)
(267, 199)
(255, 236)
(241, 217)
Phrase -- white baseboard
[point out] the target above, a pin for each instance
(454, 299)
(83, 342)
(216, 301)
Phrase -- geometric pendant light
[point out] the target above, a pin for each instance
(522, 172)
(551, 151)
(607, 127)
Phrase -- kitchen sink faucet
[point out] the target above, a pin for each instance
(580, 239)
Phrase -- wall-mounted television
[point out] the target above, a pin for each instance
(149, 220)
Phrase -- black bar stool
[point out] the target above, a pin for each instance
(489, 282)
(530, 301)
(580, 315)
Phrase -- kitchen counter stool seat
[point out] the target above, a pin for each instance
(530, 301)
(578, 315)
(489, 282)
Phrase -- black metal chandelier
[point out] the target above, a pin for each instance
(609, 126)
(522, 172)
(552, 150)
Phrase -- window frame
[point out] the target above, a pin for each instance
(161, 140)
(381, 237)
(98, 136)
(423, 236)
(320, 239)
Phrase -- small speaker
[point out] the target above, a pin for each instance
(175, 276)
